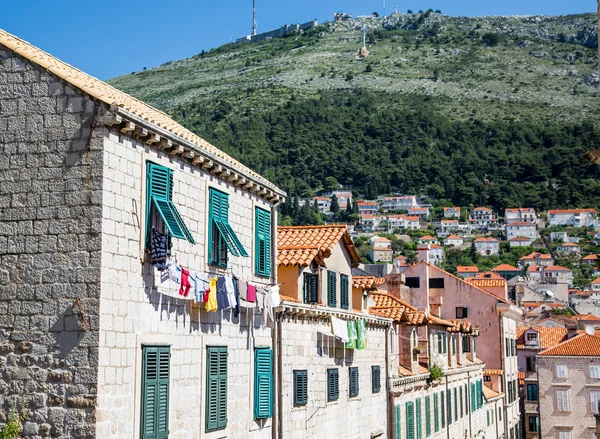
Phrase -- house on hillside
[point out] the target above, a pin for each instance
(520, 215)
(421, 212)
(520, 241)
(367, 207)
(452, 212)
(381, 249)
(521, 230)
(406, 202)
(572, 217)
(507, 271)
(466, 271)
(551, 274)
(448, 226)
(483, 219)
(424, 240)
(490, 282)
(536, 259)
(454, 240)
(487, 246)
(569, 248)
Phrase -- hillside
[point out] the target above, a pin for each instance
(439, 103)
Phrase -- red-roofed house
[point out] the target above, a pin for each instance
(448, 226)
(452, 212)
(594, 285)
(551, 274)
(507, 271)
(421, 212)
(427, 240)
(491, 282)
(367, 207)
(487, 246)
(381, 249)
(454, 240)
(536, 258)
(466, 271)
(590, 260)
(520, 241)
(524, 214)
(572, 217)
(521, 229)
(482, 218)
(569, 248)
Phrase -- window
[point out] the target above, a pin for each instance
(262, 243)
(216, 388)
(159, 204)
(533, 424)
(331, 289)
(462, 412)
(531, 364)
(221, 236)
(455, 404)
(466, 344)
(479, 387)
(436, 282)
(564, 435)
(436, 416)
(594, 371)
(311, 288)
(443, 409)
(300, 387)
(155, 391)
(594, 400)
(532, 336)
(413, 282)
(345, 302)
(427, 416)
(532, 392)
(397, 425)
(333, 385)
(561, 371)
(263, 383)
(487, 378)
(353, 382)
(562, 400)
(473, 403)
(453, 342)
(449, 406)
(376, 378)
(419, 420)
(410, 420)
(499, 414)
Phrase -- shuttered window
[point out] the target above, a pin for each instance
(443, 410)
(466, 344)
(397, 424)
(159, 200)
(263, 383)
(262, 243)
(449, 406)
(331, 289)
(455, 404)
(333, 384)
(410, 420)
(473, 404)
(300, 387)
(221, 237)
(353, 381)
(155, 392)
(532, 392)
(344, 294)
(311, 288)
(418, 419)
(460, 396)
(216, 388)
(480, 394)
(436, 413)
(427, 416)
(376, 378)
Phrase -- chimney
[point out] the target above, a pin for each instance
(571, 330)
(423, 252)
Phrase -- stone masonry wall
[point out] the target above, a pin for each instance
(50, 194)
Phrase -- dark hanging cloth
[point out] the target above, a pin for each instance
(221, 293)
(159, 249)
(236, 309)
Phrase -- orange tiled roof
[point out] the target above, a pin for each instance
(391, 307)
(296, 244)
(434, 246)
(556, 268)
(453, 208)
(490, 239)
(453, 237)
(467, 269)
(590, 258)
(490, 372)
(487, 275)
(386, 300)
(109, 95)
(548, 336)
(411, 218)
(487, 283)
(450, 221)
(483, 208)
(363, 282)
(403, 371)
(535, 255)
(428, 238)
(595, 281)
(288, 299)
(583, 345)
(585, 317)
(463, 326)
(489, 393)
(505, 267)
(569, 244)
(575, 211)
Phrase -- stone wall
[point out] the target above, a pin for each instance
(50, 219)
(139, 306)
(306, 345)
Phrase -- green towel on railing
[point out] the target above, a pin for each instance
(361, 330)
(352, 335)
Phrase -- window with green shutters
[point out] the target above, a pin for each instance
(397, 423)
(331, 289)
(449, 406)
(221, 237)
(443, 410)
(460, 396)
(427, 416)
(155, 392)
(263, 383)
(159, 204)
(353, 382)
(333, 384)
(436, 413)
(262, 243)
(453, 340)
(418, 419)
(440, 343)
(216, 388)
(473, 404)
(455, 404)
(376, 378)
(479, 394)
(300, 387)
(410, 420)
(311, 288)
(344, 292)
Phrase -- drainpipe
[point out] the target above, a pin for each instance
(447, 408)
(468, 406)
(504, 379)
(387, 377)
(278, 433)
(276, 423)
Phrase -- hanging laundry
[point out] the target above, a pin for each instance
(230, 291)
(211, 303)
(275, 298)
(339, 328)
(222, 294)
(251, 296)
(174, 272)
(159, 249)
(185, 283)
(243, 289)
(352, 335)
(236, 309)
(201, 284)
(361, 330)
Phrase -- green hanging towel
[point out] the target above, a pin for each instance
(361, 330)
(352, 335)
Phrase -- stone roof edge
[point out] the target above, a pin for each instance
(324, 313)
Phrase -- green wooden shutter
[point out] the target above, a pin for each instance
(397, 425)
(216, 388)
(460, 396)
(418, 419)
(353, 381)
(311, 288)
(331, 288)
(455, 404)
(443, 409)
(262, 259)
(300, 387)
(473, 405)
(436, 415)
(159, 193)
(263, 383)
(376, 378)
(345, 302)
(218, 215)
(427, 416)
(155, 392)
(449, 406)
(333, 385)
(410, 420)
(480, 394)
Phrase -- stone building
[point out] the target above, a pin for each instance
(94, 341)
(569, 387)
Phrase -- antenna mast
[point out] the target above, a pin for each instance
(254, 17)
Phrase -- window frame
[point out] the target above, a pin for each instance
(333, 384)
(560, 368)
(221, 420)
(532, 392)
(148, 382)
(375, 379)
(435, 282)
(461, 312)
(218, 227)
(562, 406)
(531, 364)
(353, 382)
(309, 296)
(344, 291)
(411, 280)
(595, 367)
(300, 383)
(263, 354)
(262, 236)
(331, 288)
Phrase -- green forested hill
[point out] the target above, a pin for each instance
(440, 103)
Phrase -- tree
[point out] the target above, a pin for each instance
(375, 14)
(335, 207)
(412, 257)
(409, 11)
(331, 184)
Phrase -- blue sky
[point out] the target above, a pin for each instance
(111, 38)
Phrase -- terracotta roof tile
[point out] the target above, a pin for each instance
(288, 299)
(569, 211)
(535, 255)
(505, 267)
(493, 372)
(590, 258)
(549, 337)
(464, 326)
(467, 269)
(453, 237)
(489, 393)
(583, 345)
(403, 371)
(296, 255)
(111, 96)
(585, 317)
(365, 282)
(596, 281)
